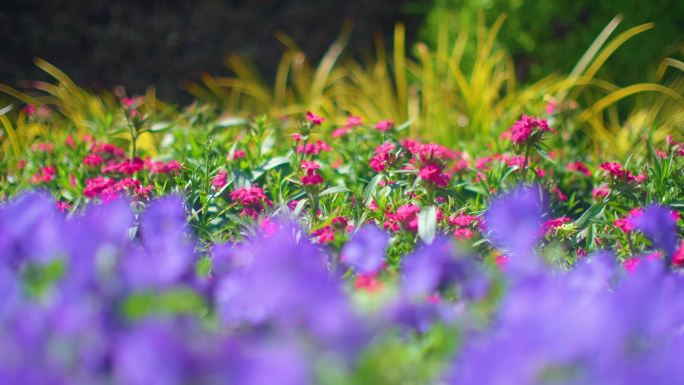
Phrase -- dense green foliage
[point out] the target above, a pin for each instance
(549, 36)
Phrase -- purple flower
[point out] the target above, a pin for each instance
(258, 361)
(167, 253)
(658, 223)
(282, 281)
(96, 240)
(150, 354)
(514, 221)
(365, 251)
(32, 229)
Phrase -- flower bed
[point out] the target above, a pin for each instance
(315, 252)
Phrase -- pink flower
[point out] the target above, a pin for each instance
(463, 233)
(219, 180)
(406, 215)
(314, 119)
(382, 156)
(551, 107)
(128, 103)
(310, 167)
(482, 163)
(641, 178)
(341, 223)
(292, 204)
(579, 167)
(630, 264)
(412, 145)
(600, 192)
(528, 127)
(161, 167)
(433, 173)
(29, 110)
(268, 227)
(63, 206)
(368, 282)
(432, 151)
(384, 125)
(625, 223)
(313, 148)
(237, 154)
(613, 169)
(43, 147)
(96, 186)
(312, 180)
(325, 234)
(678, 257)
(127, 183)
(354, 121)
(561, 196)
(128, 166)
(250, 196)
(44, 175)
(341, 131)
(460, 166)
(297, 137)
(513, 161)
(463, 220)
(70, 141)
(500, 261)
(555, 223)
(253, 200)
(92, 160)
(106, 148)
(143, 191)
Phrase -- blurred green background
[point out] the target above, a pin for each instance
(101, 43)
(546, 36)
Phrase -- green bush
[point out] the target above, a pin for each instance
(549, 36)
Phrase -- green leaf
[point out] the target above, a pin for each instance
(231, 121)
(476, 189)
(544, 154)
(275, 162)
(180, 300)
(267, 144)
(300, 206)
(268, 165)
(6, 109)
(203, 267)
(370, 187)
(591, 212)
(404, 125)
(427, 224)
(334, 190)
(160, 126)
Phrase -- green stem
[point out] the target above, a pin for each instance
(527, 157)
(631, 244)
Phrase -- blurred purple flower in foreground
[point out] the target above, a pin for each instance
(86, 300)
(365, 251)
(515, 225)
(660, 225)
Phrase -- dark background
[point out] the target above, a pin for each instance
(136, 43)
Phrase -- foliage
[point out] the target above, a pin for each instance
(219, 244)
(549, 36)
(450, 95)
